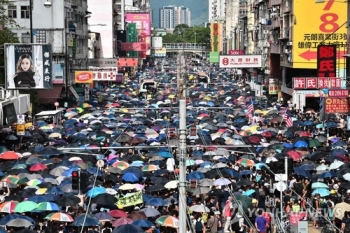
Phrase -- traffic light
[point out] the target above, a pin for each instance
(75, 180)
(193, 184)
(83, 181)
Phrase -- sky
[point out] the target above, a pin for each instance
(198, 8)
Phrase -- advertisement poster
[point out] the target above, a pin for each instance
(83, 76)
(58, 73)
(103, 73)
(28, 66)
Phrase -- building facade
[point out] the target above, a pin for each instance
(171, 16)
(64, 26)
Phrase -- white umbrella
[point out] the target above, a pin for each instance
(222, 181)
(206, 182)
(346, 176)
(335, 165)
(200, 208)
(201, 190)
(322, 167)
(111, 191)
(271, 159)
(219, 165)
(171, 184)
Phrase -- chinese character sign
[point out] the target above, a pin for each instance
(28, 66)
(326, 60)
(337, 105)
(316, 82)
(240, 61)
(142, 22)
(215, 31)
(324, 26)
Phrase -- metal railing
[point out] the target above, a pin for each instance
(185, 46)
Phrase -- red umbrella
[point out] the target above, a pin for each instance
(118, 214)
(37, 167)
(294, 155)
(266, 134)
(9, 155)
(122, 221)
(254, 139)
(304, 134)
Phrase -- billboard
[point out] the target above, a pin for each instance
(104, 73)
(127, 62)
(214, 57)
(326, 60)
(324, 25)
(157, 42)
(103, 62)
(28, 66)
(58, 73)
(134, 46)
(143, 28)
(240, 61)
(83, 76)
(316, 83)
(216, 32)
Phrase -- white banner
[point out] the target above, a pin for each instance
(240, 61)
(157, 42)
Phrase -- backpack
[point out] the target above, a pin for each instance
(199, 226)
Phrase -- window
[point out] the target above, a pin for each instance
(25, 12)
(41, 36)
(25, 38)
(12, 11)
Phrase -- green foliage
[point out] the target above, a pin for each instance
(184, 34)
(6, 36)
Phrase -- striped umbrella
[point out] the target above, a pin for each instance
(150, 168)
(168, 221)
(34, 182)
(121, 165)
(25, 206)
(47, 206)
(8, 207)
(246, 162)
(59, 217)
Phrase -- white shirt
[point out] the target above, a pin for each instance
(170, 164)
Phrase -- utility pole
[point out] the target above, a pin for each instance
(182, 143)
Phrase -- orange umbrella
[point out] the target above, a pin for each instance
(9, 155)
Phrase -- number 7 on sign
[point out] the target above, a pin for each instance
(329, 5)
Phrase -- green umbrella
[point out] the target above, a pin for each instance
(314, 143)
(25, 206)
(244, 201)
(278, 146)
(190, 162)
(22, 181)
(3, 149)
(19, 166)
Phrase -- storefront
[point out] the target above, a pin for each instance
(307, 98)
(11, 107)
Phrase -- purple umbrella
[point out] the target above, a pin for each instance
(81, 124)
(156, 128)
(104, 217)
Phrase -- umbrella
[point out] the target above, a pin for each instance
(318, 185)
(200, 208)
(19, 222)
(136, 215)
(128, 228)
(86, 220)
(47, 206)
(155, 202)
(118, 214)
(104, 199)
(104, 217)
(68, 200)
(122, 221)
(25, 206)
(150, 212)
(143, 223)
(168, 221)
(322, 191)
(59, 217)
(340, 208)
(246, 162)
(222, 182)
(201, 190)
(8, 207)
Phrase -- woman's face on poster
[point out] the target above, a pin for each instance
(25, 64)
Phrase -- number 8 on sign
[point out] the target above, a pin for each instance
(329, 20)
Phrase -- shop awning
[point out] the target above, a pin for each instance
(50, 96)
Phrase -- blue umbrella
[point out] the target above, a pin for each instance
(90, 220)
(155, 202)
(322, 191)
(287, 145)
(103, 216)
(339, 144)
(68, 172)
(55, 190)
(143, 223)
(245, 172)
(146, 197)
(165, 154)
(195, 176)
(301, 144)
(301, 172)
(51, 197)
(95, 191)
(94, 171)
(328, 174)
(130, 177)
(338, 152)
(307, 167)
(10, 217)
(248, 192)
(134, 170)
(37, 199)
(197, 153)
(128, 228)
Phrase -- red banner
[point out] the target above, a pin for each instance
(335, 105)
(127, 62)
(134, 46)
(340, 93)
(316, 83)
(326, 60)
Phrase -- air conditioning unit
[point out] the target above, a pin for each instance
(290, 43)
(263, 21)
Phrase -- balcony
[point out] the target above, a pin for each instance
(286, 7)
(274, 2)
(285, 61)
(275, 48)
(275, 23)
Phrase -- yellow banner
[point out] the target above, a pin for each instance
(325, 23)
(130, 200)
(20, 128)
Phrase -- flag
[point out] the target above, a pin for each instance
(250, 111)
(288, 118)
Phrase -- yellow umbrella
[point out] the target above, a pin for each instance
(258, 111)
(170, 96)
(127, 187)
(207, 98)
(124, 110)
(80, 110)
(41, 191)
(253, 129)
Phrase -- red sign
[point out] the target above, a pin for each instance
(326, 60)
(294, 218)
(338, 93)
(134, 46)
(316, 83)
(335, 105)
(236, 52)
(127, 62)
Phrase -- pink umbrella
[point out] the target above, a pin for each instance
(37, 167)
(112, 156)
(122, 221)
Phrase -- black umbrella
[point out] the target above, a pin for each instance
(14, 198)
(50, 150)
(26, 230)
(123, 138)
(243, 182)
(155, 188)
(26, 193)
(67, 200)
(104, 200)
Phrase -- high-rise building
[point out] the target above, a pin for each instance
(171, 16)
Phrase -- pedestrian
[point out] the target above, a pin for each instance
(212, 224)
(260, 222)
(227, 213)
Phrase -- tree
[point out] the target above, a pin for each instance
(6, 36)
(184, 34)
(180, 29)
